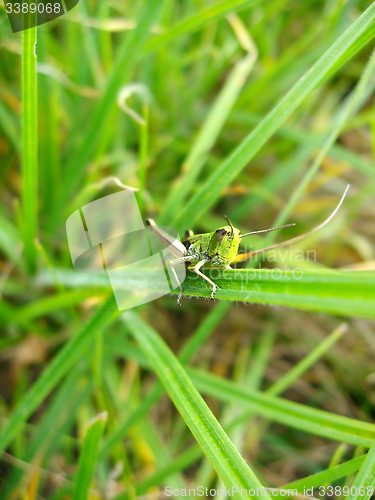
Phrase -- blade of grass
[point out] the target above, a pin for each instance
(194, 22)
(89, 456)
(29, 146)
(349, 294)
(213, 187)
(204, 330)
(327, 475)
(128, 52)
(307, 362)
(289, 413)
(363, 486)
(56, 370)
(216, 445)
(309, 140)
(49, 304)
(295, 415)
(350, 104)
(61, 410)
(210, 131)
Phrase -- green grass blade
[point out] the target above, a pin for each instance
(363, 486)
(327, 475)
(216, 445)
(89, 456)
(349, 294)
(276, 409)
(204, 330)
(286, 412)
(213, 187)
(207, 136)
(63, 361)
(310, 140)
(9, 127)
(48, 305)
(29, 146)
(307, 362)
(196, 21)
(128, 53)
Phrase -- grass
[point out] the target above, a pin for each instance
(252, 111)
(29, 146)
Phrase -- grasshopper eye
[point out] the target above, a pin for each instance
(220, 234)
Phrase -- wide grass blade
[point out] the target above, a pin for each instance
(213, 187)
(349, 294)
(216, 445)
(204, 330)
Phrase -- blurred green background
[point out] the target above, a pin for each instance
(201, 107)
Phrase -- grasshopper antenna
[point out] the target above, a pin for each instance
(267, 230)
(242, 257)
(231, 227)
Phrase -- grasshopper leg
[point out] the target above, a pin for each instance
(196, 269)
(173, 263)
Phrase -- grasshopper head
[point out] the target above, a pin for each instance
(224, 243)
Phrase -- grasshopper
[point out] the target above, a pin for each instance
(219, 249)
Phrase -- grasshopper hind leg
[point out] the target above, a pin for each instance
(196, 269)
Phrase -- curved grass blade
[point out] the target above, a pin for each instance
(128, 53)
(204, 330)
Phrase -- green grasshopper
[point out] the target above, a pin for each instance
(218, 250)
